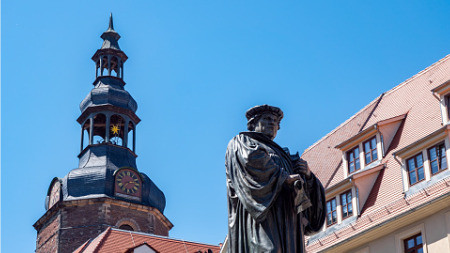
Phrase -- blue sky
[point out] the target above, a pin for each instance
(194, 68)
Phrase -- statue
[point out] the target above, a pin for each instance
(273, 197)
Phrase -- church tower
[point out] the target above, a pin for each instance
(107, 189)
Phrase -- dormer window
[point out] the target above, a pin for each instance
(438, 160)
(342, 204)
(442, 92)
(331, 212)
(353, 160)
(447, 103)
(415, 169)
(365, 150)
(425, 160)
(370, 150)
(346, 202)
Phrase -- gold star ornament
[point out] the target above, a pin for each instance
(115, 129)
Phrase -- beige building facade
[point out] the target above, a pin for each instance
(386, 172)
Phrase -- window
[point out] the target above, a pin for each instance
(413, 244)
(126, 227)
(438, 160)
(331, 212)
(447, 102)
(353, 160)
(99, 129)
(346, 202)
(370, 150)
(116, 130)
(415, 169)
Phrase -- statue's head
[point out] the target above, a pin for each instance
(264, 119)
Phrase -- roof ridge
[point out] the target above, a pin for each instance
(102, 239)
(83, 246)
(422, 72)
(163, 237)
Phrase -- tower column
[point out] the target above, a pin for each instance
(101, 66)
(82, 138)
(91, 130)
(119, 67)
(109, 65)
(125, 134)
(108, 120)
(134, 139)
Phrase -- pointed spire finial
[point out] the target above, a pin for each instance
(111, 25)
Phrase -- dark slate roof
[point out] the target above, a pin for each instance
(95, 177)
(109, 91)
(95, 182)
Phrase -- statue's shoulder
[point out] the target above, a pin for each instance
(242, 138)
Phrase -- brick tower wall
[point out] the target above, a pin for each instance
(48, 237)
(81, 220)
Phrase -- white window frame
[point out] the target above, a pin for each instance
(426, 163)
(362, 158)
(339, 206)
(399, 237)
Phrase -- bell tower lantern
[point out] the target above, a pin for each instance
(109, 59)
(108, 112)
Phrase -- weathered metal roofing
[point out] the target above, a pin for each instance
(110, 37)
(109, 91)
(95, 177)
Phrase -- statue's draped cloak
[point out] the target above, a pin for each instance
(262, 216)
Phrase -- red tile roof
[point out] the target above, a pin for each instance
(116, 240)
(412, 97)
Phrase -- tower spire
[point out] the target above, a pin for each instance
(110, 37)
(111, 25)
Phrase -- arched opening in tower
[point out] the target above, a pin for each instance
(126, 227)
(85, 134)
(131, 136)
(99, 128)
(116, 129)
(115, 66)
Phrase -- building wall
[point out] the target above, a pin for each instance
(87, 220)
(69, 224)
(79, 224)
(434, 229)
(48, 237)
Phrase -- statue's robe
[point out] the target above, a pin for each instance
(262, 213)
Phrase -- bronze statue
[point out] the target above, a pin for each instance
(273, 197)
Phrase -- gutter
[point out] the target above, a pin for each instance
(386, 222)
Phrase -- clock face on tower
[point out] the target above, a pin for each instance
(128, 184)
(54, 194)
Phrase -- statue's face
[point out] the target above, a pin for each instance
(267, 125)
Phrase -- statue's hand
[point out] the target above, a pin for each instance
(292, 178)
(301, 167)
